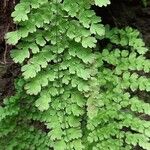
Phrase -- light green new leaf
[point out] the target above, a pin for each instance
(92, 110)
(43, 102)
(21, 11)
(60, 145)
(33, 88)
(76, 110)
(73, 121)
(40, 41)
(98, 29)
(20, 55)
(83, 73)
(56, 133)
(34, 48)
(12, 38)
(78, 145)
(101, 3)
(89, 42)
(30, 70)
(74, 133)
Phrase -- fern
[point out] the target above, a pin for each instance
(68, 86)
(120, 119)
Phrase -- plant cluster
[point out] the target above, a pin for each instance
(74, 93)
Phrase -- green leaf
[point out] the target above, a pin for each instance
(124, 53)
(77, 144)
(33, 88)
(92, 110)
(56, 133)
(101, 3)
(78, 98)
(82, 86)
(34, 48)
(98, 29)
(76, 110)
(89, 42)
(40, 41)
(83, 73)
(30, 70)
(73, 133)
(60, 145)
(43, 102)
(66, 79)
(73, 121)
(12, 38)
(21, 11)
(20, 55)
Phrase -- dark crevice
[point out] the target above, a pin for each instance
(8, 70)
